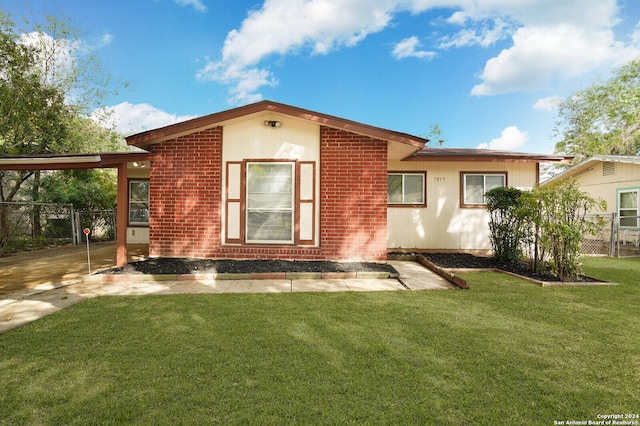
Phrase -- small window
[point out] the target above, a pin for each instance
(476, 185)
(406, 189)
(628, 208)
(139, 202)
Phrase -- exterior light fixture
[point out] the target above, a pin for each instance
(271, 123)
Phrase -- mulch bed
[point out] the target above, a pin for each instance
(469, 261)
(166, 265)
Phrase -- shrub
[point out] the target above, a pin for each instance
(505, 223)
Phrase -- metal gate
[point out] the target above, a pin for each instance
(102, 224)
(627, 236)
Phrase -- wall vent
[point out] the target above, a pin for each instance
(608, 169)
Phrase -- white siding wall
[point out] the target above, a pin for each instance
(599, 186)
(443, 224)
(296, 139)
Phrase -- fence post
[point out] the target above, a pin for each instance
(76, 236)
(614, 235)
(72, 217)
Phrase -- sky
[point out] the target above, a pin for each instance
(489, 73)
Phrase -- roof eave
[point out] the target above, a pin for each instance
(147, 138)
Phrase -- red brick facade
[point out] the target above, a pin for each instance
(184, 197)
(353, 196)
(186, 200)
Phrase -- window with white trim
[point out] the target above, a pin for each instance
(406, 188)
(139, 202)
(476, 185)
(269, 202)
(628, 202)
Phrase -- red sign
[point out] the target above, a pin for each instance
(86, 231)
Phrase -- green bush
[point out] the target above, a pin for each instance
(547, 223)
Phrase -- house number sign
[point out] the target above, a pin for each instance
(438, 179)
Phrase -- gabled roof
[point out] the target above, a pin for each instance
(467, 154)
(417, 146)
(144, 139)
(591, 162)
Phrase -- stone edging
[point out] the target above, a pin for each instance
(450, 274)
(106, 278)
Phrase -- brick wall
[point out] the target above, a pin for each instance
(185, 196)
(353, 196)
(185, 200)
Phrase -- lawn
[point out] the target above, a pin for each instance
(504, 352)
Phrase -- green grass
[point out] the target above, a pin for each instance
(504, 352)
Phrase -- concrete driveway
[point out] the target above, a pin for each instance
(54, 267)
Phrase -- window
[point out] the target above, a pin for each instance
(269, 202)
(139, 202)
(475, 185)
(406, 188)
(628, 208)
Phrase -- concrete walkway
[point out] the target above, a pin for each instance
(31, 303)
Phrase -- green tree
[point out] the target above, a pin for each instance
(47, 91)
(506, 217)
(604, 118)
(86, 189)
(563, 224)
(32, 115)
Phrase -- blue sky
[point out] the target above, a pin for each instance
(486, 71)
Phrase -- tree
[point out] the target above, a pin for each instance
(85, 189)
(46, 95)
(563, 225)
(32, 115)
(435, 134)
(506, 218)
(548, 223)
(604, 118)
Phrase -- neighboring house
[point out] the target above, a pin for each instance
(269, 180)
(613, 178)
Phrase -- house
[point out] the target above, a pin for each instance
(269, 180)
(613, 178)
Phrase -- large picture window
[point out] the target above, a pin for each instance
(628, 208)
(406, 189)
(139, 202)
(475, 185)
(269, 202)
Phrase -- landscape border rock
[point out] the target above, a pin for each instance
(450, 273)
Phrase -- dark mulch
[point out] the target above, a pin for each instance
(166, 265)
(465, 260)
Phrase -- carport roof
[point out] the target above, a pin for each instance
(71, 161)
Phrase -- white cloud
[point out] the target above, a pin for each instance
(197, 4)
(548, 104)
(550, 39)
(541, 54)
(129, 119)
(510, 139)
(484, 36)
(408, 48)
(282, 27)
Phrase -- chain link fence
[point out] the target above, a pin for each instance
(612, 237)
(600, 242)
(33, 225)
(627, 237)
